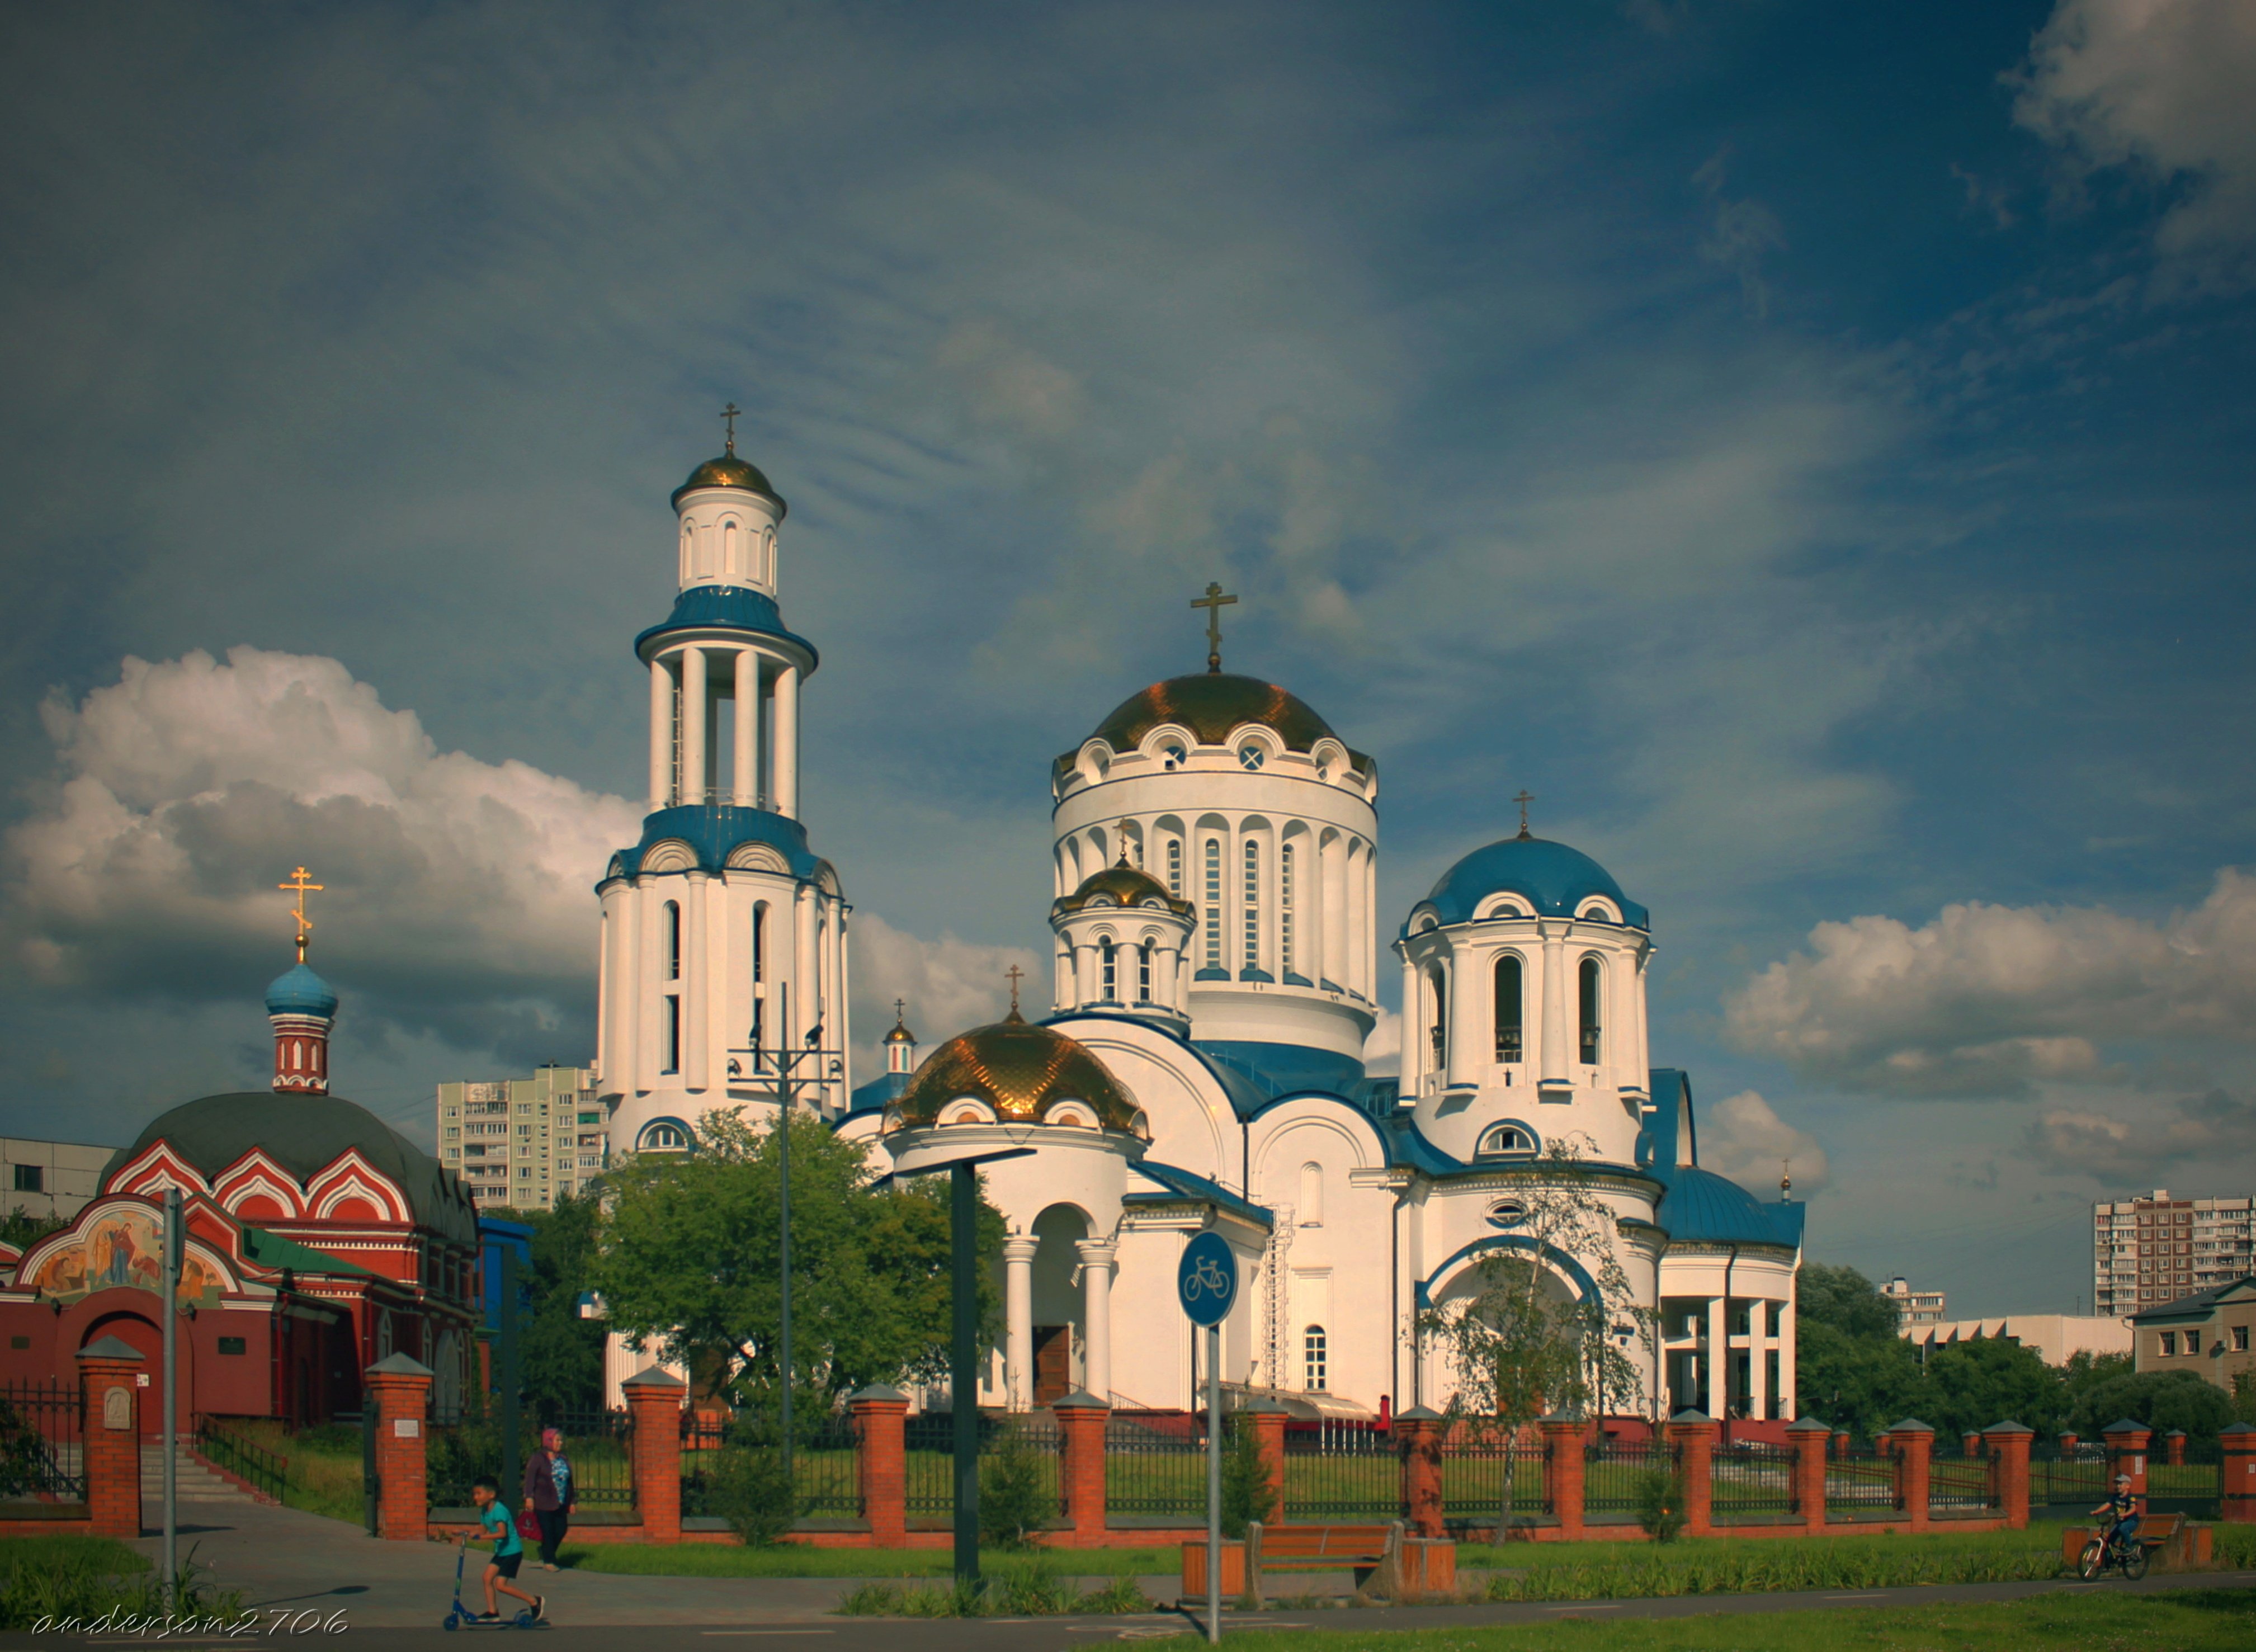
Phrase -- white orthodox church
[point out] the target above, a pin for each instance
(1218, 944)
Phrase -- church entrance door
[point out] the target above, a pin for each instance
(1052, 1363)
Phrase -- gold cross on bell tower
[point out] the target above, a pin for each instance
(1213, 601)
(1524, 798)
(730, 414)
(300, 887)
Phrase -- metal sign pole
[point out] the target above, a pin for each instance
(171, 1446)
(785, 1065)
(506, 1332)
(963, 1364)
(1214, 1483)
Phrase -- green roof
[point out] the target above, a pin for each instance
(272, 1249)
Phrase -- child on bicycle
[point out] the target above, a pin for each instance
(2122, 1513)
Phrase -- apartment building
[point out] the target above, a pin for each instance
(51, 1180)
(2153, 1249)
(1913, 1306)
(521, 1144)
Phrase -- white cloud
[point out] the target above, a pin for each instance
(2168, 88)
(947, 986)
(187, 790)
(1742, 1137)
(2195, 1137)
(1989, 1000)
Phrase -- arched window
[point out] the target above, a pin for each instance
(729, 550)
(1509, 1001)
(1508, 1138)
(1439, 1029)
(1108, 960)
(1214, 903)
(1143, 973)
(664, 1137)
(1175, 867)
(669, 1053)
(1589, 998)
(1285, 910)
(672, 942)
(1312, 1196)
(759, 973)
(1253, 904)
(1315, 1365)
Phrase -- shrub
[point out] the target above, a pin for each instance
(2158, 1400)
(752, 1490)
(1014, 1503)
(1661, 1504)
(1248, 1493)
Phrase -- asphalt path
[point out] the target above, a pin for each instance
(1061, 1634)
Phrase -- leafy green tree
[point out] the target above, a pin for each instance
(562, 1354)
(1248, 1493)
(22, 1229)
(1520, 1343)
(2085, 1372)
(2160, 1400)
(1844, 1299)
(1975, 1385)
(686, 1259)
(1864, 1384)
(1016, 1499)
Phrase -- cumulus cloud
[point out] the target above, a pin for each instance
(944, 985)
(1989, 1000)
(456, 891)
(1742, 1137)
(2195, 1135)
(2162, 86)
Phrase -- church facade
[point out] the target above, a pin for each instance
(1216, 961)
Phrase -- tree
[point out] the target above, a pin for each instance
(1972, 1386)
(1844, 1299)
(561, 1353)
(1864, 1384)
(21, 1230)
(1522, 1340)
(2157, 1400)
(687, 1259)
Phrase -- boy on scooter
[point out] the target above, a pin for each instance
(508, 1551)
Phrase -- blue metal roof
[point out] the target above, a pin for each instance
(712, 831)
(1552, 878)
(725, 608)
(1187, 1184)
(878, 1093)
(1704, 1208)
(298, 991)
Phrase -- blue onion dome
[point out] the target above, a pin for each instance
(729, 471)
(1702, 1207)
(298, 991)
(1120, 885)
(1551, 877)
(1021, 1072)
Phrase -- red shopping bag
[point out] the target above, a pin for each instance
(528, 1525)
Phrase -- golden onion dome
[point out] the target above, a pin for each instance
(900, 1035)
(1123, 885)
(1210, 704)
(1021, 1072)
(729, 471)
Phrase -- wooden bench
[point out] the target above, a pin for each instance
(2172, 1544)
(1374, 1552)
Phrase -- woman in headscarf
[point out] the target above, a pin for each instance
(548, 1493)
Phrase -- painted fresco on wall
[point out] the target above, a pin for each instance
(120, 1247)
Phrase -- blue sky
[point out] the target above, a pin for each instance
(1797, 445)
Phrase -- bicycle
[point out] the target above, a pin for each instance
(2107, 1550)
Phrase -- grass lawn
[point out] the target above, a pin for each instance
(2197, 1621)
(800, 1560)
(100, 1554)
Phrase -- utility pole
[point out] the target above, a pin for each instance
(174, 1247)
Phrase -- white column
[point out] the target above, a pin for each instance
(1414, 1028)
(695, 695)
(1084, 972)
(661, 735)
(606, 972)
(1361, 961)
(1019, 1321)
(746, 789)
(1096, 1258)
(843, 1044)
(696, 979)
(1719, 1359)
(1555, 1031)
(1786, 1332)
(1640, 1060)
(803, 984)
(1314, 894)
(784, 783)
(1062, 977)
(1758, 1361)
(1469, 1030)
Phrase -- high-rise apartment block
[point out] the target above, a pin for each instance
(523, 1143)
(2150, 1250)
(1914, 1306)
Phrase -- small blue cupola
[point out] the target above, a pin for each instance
(298, 991)
(1550, 877)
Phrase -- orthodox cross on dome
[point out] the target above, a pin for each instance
(1524, 798)
(1213, 601)
(299, 885)
(1121, 827)
(901, 1012)
(730, 414)
(1014, 975)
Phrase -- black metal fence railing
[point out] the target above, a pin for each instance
(1861, 1482)
(1958, 1483)
(2078, 1477)
(1616, 1474)
(1750, 1479)
(1155, 1465)
(455, 1456)
(599, 1448)
(1334, 1472)
(40, 1458)
(1473, 1470)
(825, 1476)
(224, 1447)
(929, 1448)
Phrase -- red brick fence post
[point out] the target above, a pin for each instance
(1563, 1462)
(1808, 1438)
(1082, 1419)
(1417, 1436)
(2127, 1454)
(2009, 1471)
(1914, 1446)
(398, 1390)
(654, 1399)
(881, 1463)
(1268, 1418)
(2174, 1447)
(2239, 1440)
(110, 1441)
(1693, 1434)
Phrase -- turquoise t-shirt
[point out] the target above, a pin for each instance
(501, 1529)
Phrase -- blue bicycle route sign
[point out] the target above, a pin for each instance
(1206, 1279)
